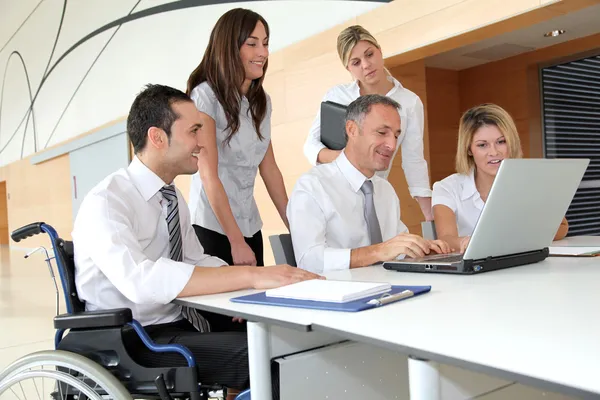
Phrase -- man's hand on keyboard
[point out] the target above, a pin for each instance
(440, 246)
(405, 243)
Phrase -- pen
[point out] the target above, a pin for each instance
(390, 298)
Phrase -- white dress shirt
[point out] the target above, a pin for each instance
(238, 164)
(326, 215)
(411, 136)
(459, 193)
(121, 244)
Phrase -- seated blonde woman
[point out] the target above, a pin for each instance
(486, 136)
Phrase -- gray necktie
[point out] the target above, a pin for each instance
(370, 215)
(176, 252)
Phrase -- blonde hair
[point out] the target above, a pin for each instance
(349, 37)
(475, 118)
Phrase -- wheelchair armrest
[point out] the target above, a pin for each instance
(94, 319)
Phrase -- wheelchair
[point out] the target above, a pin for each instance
(94, 363)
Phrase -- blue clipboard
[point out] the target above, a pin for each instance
(351, 306)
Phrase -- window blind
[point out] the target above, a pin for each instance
(571, 126)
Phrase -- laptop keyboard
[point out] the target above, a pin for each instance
(452, 257)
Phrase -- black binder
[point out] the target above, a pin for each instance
(333, 125)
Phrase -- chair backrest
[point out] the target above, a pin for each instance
(66, 265)
(283, 251)
(428, 228)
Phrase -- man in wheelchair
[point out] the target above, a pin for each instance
(134, 246)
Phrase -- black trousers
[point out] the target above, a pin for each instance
(218, 245)
(221, 355)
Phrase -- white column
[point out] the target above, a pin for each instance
(424, 379)
(259, 359)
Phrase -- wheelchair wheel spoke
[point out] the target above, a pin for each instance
(36, 388)
(23, 391)
(16, 395)
(71, 377)
(62, 396)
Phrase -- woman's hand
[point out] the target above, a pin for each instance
(242, 254)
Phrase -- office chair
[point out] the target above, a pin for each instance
(283, 250)
(428, 229)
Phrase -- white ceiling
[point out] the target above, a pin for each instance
(577, 24)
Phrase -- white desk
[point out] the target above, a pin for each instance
(578, 241)
(534, 324)
(272, 331)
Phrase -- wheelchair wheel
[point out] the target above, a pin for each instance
(58, 374)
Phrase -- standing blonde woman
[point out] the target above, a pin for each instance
(486, 135)
(361, 55)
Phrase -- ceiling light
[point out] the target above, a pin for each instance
(554, 33)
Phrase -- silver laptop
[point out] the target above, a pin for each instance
(523, 212)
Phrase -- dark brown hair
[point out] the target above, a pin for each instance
(152, 107)
(222, 68)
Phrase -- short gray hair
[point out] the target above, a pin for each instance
(360, 107)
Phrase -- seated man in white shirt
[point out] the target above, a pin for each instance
(135, 246)
(344, 216)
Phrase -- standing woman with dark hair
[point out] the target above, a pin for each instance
(227, 89)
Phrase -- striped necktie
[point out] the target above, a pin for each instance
(176, 252)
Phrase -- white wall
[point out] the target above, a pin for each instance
(96, 82)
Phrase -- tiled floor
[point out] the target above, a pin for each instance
(27, 305)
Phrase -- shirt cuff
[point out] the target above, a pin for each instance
(210, 261)
(336, 259)
(175, 280)
(420, 192)
(313, 152)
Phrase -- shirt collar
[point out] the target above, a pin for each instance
(146, 181)
(468, 188)
(354, 176)
(397, 86)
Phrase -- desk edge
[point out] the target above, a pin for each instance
(246, 316)
(417, 353)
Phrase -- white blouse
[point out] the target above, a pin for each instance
(459, 193)
(238, 164)
(411, 137)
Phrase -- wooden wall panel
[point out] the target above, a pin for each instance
(506, 87)
(400, 12)
(443, 106)
(276, 88)
(307, 82)
(4, 236)
(464, 23)
(534, 105)
(411, 76)
(313, 47)
(39, 192)
(512, 83)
